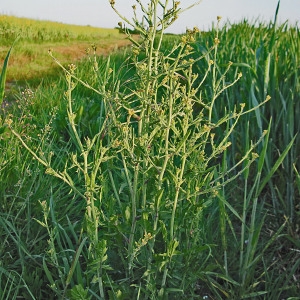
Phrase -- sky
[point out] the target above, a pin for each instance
(98, 13)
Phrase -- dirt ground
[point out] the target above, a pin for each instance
(33, 61)
(78, 51)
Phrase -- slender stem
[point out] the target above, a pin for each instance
(133, 216)
(179, 182)
(214, 79)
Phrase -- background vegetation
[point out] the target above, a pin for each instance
(37, 37)
(180, 235)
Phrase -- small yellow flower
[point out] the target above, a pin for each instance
(196, 30)
(216, 41)
(72, 68)
(130, 112)
(174, 18)
(189, 48)
(183, 39)
(219, 18)
(189, 32)
(9, 122)
(136, 51)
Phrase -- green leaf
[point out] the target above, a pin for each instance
(74, 263)
(127, 213)
(254, 294)
(276, 165)
(174, 290)
(262, 156)
(3, 75)
(78, 293)
(267, 75)
(297, 180)
(48, 273)
(257, 111)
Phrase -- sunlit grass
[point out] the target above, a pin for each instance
(135, 207)
(35, 38)
(35, 31)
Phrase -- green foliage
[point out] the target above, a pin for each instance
(3, 76)
(160, 172)
(36, 31)
(259, 51)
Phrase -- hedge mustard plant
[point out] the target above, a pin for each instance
(150, 170)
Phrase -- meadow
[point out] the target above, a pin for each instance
(36, 37)
(168, 169)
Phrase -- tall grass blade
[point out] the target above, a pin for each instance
(3, 75)
(262, 156)
(276, 165)
(267, 75)
(297, 177)
(276, 13)
(257, 111)
(48, 273)
(74, 263)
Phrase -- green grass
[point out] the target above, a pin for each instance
(259, 52)
(130, 188)
(31, 62)
(35, 31)
(3, 76)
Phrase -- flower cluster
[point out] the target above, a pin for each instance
(189, 37)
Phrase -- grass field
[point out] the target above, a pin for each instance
(70, 42)
(161, 171)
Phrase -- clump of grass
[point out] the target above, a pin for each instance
(256, 51)
(259, 51)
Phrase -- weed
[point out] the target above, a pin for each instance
(163, 177)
